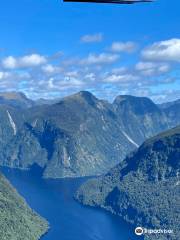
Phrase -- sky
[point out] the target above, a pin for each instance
(53, 49)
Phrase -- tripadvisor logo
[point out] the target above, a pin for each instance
(139, 231)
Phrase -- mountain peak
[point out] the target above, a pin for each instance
(138, 105)
(13, 95)
(130, 98)
(83, 96)
(15, 99)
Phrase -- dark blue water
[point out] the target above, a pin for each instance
(69, 220)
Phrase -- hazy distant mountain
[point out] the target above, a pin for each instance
(168, 104)
(19, 100)
(140, 117)
(145, 188)
(78, 136)
(17, 220)
(172, 111)
(43, 101)
(15, 99)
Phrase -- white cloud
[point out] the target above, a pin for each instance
(168, 50)
(164, 68)
(119, 70)
(14, 76)
(50, 69)
(51, 83)
(23, 62)
(152, 68)
(69, 83)
(44, 76)
(103, 58)
(9, 62)
(128, 47)
(32, 60)
(165, 95)
(114, 78)
(4, 75)
(90, 76)
(74, 74)
(98, 37)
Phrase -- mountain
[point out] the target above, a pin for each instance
(17, 220)
(144, 188)
(140, 117)
(80, 135)
(43, 101)
(168, 104)
(15, 99)
(172, 111)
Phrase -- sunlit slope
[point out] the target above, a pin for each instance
(145, 188)
(79, 135)
(17, 220)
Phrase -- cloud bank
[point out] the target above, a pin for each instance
(151, 71)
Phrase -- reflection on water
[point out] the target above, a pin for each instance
(68, 219)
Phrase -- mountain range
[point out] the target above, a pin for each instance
(79, 135)
(144, 189)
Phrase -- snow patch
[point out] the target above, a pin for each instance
(35, 123)
(66, 158)
(130, 139)
(12, 123)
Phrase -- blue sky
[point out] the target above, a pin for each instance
(49, 48)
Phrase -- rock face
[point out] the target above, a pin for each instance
(17, 220)
(172, 111)
(145, 188)
(140, 117)
(78, 136)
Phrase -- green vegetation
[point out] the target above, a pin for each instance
(78, 135)
(17, 220)
(145, 188)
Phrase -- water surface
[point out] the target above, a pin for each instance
(69, 220)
